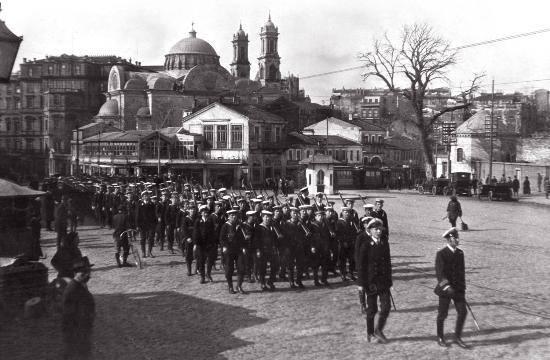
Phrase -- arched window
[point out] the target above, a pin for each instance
(459, 154)
(320, 177)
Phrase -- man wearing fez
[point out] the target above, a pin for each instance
(374, 270)
(78, 313)
(451, 285)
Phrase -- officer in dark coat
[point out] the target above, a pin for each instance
(204, 241)
(78, 313)
(374, 270)
(147, 221)
(248, 235)
(186, 223)
(297, 234)
(120, 224)
(233, 251)
(362, 239)
(451, 285)
(170, 219)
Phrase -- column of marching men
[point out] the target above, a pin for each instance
(265, 241)
(262, 239)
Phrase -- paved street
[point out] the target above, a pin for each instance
(160, 313)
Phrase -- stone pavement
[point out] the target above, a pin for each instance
(160, 313)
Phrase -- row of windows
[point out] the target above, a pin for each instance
(20, 144)
(404, 155)
(372, 139)
(14, 124)
(220, 134)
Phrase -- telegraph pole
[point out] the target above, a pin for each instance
(491, 132)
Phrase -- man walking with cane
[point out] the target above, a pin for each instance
(451, 285)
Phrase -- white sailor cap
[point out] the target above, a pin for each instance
(222, 190)
(452, 231)
(265, 212)
(204, 208)
(379, 200)
(374, 222)
(366, 219)
(250, 213)
(304, 189)
(368, 206)
(292, 208)
(232, 212)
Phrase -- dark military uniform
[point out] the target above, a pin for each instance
(374, 275)
(170, 220)
(449, 269)
(147, 222)
(320, 251)
(345, 235)
(266, 240)
(204, 238)
(232, 241)
(120, 224)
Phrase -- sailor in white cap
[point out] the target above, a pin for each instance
(302, 198)
(362, 240)
(265, 238)
(233, 245)
(346, 232)
(451, 285)
(380, 213)
(375, 278)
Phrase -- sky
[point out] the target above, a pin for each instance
(315, 36)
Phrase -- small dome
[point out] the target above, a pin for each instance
(240, 33)
(144, 111)
(192, 45)
(160, 83)
(110, 108)
(135, 84)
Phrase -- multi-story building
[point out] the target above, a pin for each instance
(44, 102)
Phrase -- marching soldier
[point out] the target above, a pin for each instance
(302, 198)
(362, 239)
(298, 234)
(204, 241)
(160, 208)
(248, 233)
(320, 243)
(374, 270)
(331, 219)
(265, 240)
(379, 213)
(233, 251)
(346, 232)
(120, 224)
(170, 219)
(451, 285)
(281, 254)
(186, 225)
(147, 222)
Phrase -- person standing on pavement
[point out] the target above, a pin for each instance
(381, 214)
(147, 222)
(539, 181)
(233, 251)
(61, 219)
(48, 209)
(515, 186)
(78, 313)
(320, 248)
(375, 277)
(546, 186)
(346, 232)
(454, 210)
(121, 224)
(265, 239)
(451, 285)
(204, 243)
(526, 186)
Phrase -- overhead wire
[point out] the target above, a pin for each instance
(486, 42)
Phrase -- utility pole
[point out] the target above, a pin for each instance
(491, 132)
(77, 170)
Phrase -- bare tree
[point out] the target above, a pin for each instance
(417, 61)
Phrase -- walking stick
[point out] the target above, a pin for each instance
(473, 316)
(393, 302)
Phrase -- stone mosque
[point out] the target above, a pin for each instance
(157, 97)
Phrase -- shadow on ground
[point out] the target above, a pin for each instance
(183, 327)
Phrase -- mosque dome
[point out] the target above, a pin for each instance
(190, 52)
(110, 108)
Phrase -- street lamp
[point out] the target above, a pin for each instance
(9, 47)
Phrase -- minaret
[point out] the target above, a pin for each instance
(240, 67)
(269, 60)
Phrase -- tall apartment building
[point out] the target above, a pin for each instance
(44, 102)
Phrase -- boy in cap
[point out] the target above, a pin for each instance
(232, 244)
(302, 198)
(379, 213)
(375, 279)
(346, 232)
(147, 221)
(451, 285)
(120, 224)
(362, 240)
